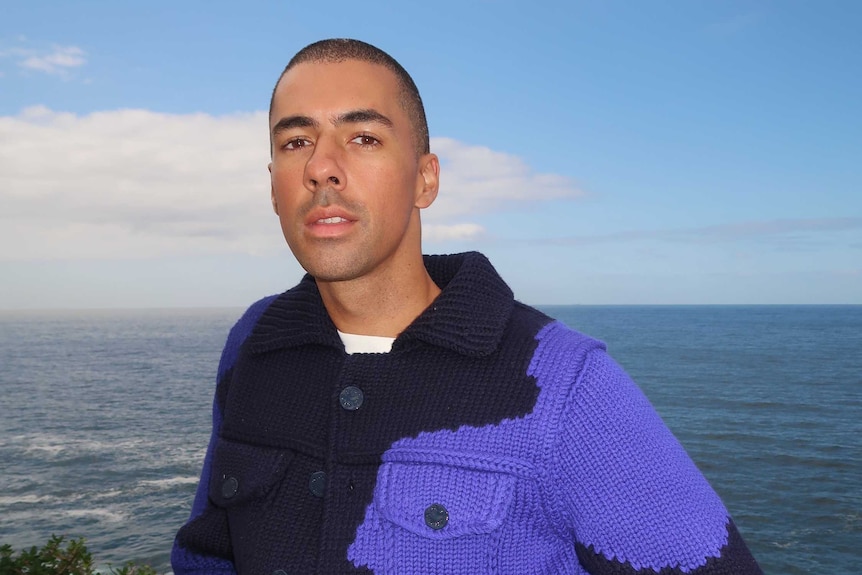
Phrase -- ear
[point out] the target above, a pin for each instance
(428, 180)
(272, 190)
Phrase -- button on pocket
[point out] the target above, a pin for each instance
(229, 487)
(242, 472)
(439, 501)
(436, 516)
(436, 506)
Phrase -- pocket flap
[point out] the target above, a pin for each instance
(241, 472)
(440, 501)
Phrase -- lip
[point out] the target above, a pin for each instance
(329, 222)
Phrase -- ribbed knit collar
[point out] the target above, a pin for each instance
(468, 316)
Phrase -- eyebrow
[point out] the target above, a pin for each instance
(291, 122)
(363, 115)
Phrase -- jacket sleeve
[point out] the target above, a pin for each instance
(202, 545)
(629, 496)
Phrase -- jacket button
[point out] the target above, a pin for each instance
(351, 398)
(229, 487)
(436, 516)
(317, 483)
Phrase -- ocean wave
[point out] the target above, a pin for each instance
(56, 445)
(102, 514)
(170, 481)
(9, 500)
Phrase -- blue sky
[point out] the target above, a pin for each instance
(668, 152)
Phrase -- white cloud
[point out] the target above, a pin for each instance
(56, 62)
(140, 184)
(443, 232)
(133, 183)
(476, 179)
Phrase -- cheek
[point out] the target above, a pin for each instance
(282, 179)
(287, 188)
(287, 171)
(394, 188)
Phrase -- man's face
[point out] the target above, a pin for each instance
(347, 182)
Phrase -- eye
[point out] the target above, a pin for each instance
(296, 144)
(366, 141)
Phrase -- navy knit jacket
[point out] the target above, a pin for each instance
(491, 439)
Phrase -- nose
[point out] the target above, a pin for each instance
(324, 167)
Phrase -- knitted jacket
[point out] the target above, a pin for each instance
(490, 440)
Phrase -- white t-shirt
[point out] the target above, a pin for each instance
(354, 343)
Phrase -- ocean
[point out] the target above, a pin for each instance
(105, 416)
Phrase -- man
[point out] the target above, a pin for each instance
(400, 414)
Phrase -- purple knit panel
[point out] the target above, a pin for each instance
(629, 488)
(185, 562)
(593, 458)
(489, 478)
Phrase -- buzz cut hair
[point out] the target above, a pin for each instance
(335, 50)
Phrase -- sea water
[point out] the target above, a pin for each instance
(105, 415)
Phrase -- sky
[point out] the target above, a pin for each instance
(655, 152)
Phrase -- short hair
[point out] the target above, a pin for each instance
(336, 50)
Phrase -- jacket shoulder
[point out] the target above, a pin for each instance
(240, 331)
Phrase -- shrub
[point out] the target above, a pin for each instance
(54, 559)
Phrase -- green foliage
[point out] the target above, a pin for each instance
(54, 559)
(130, 568)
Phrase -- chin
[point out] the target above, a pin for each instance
(339, 271)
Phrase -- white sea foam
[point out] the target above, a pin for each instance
(110, 494)
(109, 446)
(101, 514)
(55, 445)
(42, 500)
(22, 499)
(171, 481)
(25, 517)
(852, 521)
(46, 443)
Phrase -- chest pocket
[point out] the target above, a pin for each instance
(243, 473)
(435, 518)
(245, 480)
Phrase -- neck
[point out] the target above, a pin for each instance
(379, 306)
